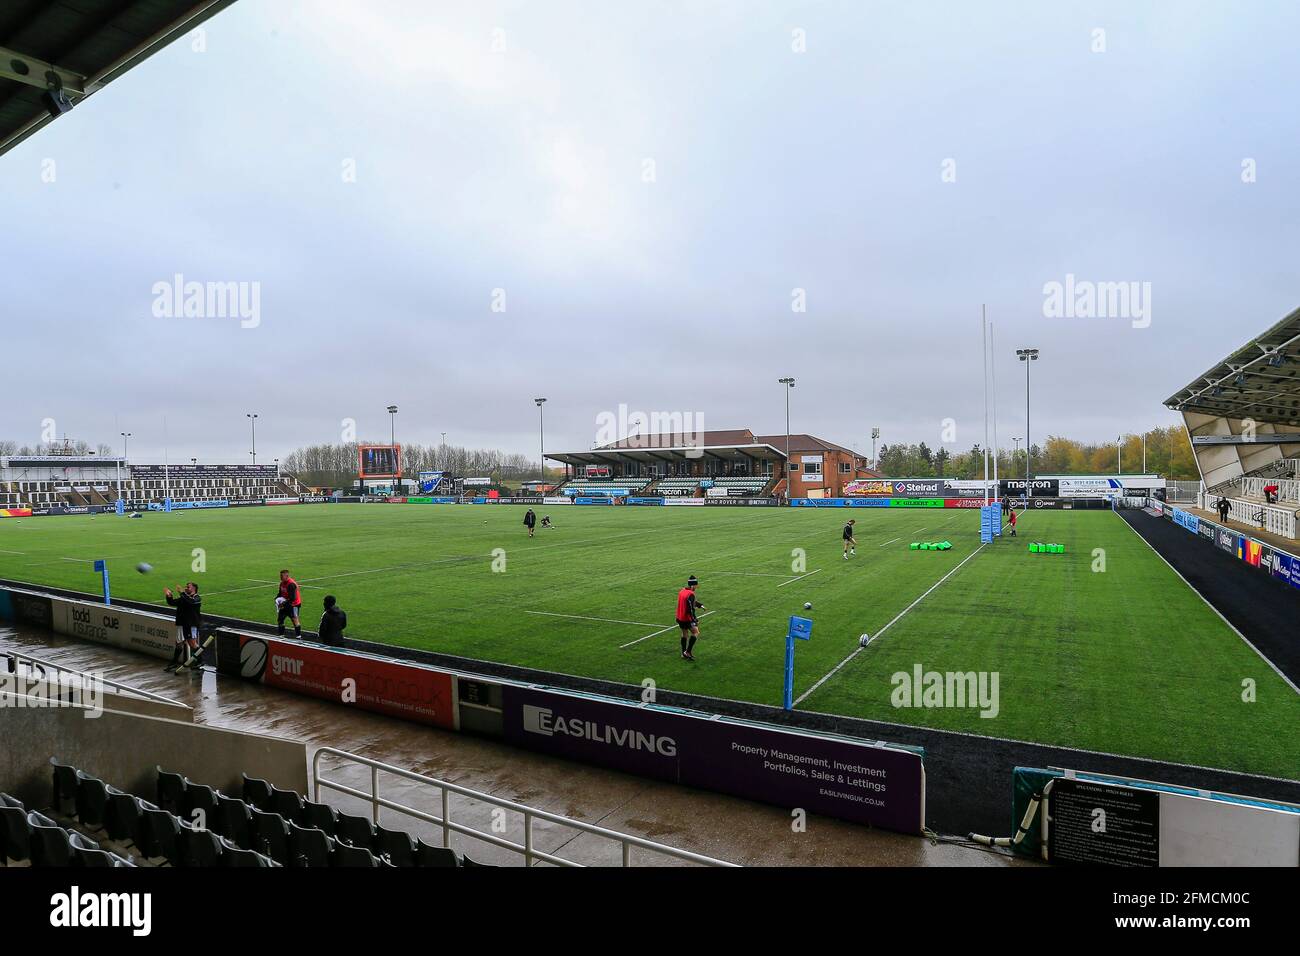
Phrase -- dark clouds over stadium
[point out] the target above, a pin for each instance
(378, 170)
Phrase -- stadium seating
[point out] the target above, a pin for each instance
(92, 824)
(677, 487)
(147, 485)
(603, 486)
(742, 486)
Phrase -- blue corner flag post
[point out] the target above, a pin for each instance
(102, 568)
(801, 628)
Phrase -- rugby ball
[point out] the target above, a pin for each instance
(807, 605)
(864, 640)
(144, 568)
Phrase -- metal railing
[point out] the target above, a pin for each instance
(1271, 518)
(46, 667)
(1288, 490)
(527, 849)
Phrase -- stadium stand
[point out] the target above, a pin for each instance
(735, 459)
(1243, 416)
(603, 486)
(90, 823)
(676, 487)
(23, 485)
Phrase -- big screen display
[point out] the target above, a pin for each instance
(379, 461)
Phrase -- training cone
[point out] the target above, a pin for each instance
(913, 546)
(1033, 549)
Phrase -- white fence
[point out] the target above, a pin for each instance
(1270, 518)
(1288, 490)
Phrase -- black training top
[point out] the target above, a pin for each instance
(848, 532)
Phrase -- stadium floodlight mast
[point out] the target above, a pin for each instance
(875, 433)
(1119, 455)
(392, 439)
(1029, 357)
(252, 418)
(541, 438)
(121, 464)
(789, 384)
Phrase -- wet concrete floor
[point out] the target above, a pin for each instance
(724, 827)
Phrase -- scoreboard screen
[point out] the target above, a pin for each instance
(379, 461)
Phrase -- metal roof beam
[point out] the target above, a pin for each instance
(22, 68)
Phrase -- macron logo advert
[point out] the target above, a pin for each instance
(544, 721)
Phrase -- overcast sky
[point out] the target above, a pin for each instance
(649, 184)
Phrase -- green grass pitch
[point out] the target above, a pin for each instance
(1128, 660)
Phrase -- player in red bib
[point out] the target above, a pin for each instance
(289, 604)
(687, 618)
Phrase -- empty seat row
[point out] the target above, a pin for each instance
(27, 836)
(157, 834)
(295, 831)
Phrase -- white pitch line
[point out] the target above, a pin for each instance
(859, 650)
(799, 578)
(603, 620)
(2, 551)
(656, 633)
(890, 541)
(750, 574)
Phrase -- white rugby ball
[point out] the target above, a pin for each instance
(144, 568)
(807, 605)
(864, 640)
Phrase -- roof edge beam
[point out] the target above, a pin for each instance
(22, 68)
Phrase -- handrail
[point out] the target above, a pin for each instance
(526, 849)
(15, 656)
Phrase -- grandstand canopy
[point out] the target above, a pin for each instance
(80, 47)
(1260, 380)
(622, 455)
(735, 446)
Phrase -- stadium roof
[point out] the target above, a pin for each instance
(1260, 380)
(622, 453)
(79, 46)
(731, 445)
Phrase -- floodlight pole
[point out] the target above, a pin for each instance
(392, 441)
(789, 384)
(252, 419)
(1029, 357)
(1119, 455)
(122, 464)
(541, 439)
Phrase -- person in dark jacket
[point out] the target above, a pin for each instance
(1224, 507)
(530, 521)
(189, 618)
(332, 623)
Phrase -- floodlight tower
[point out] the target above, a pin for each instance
(1029, 357)
(541, 438)
(789, 384)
